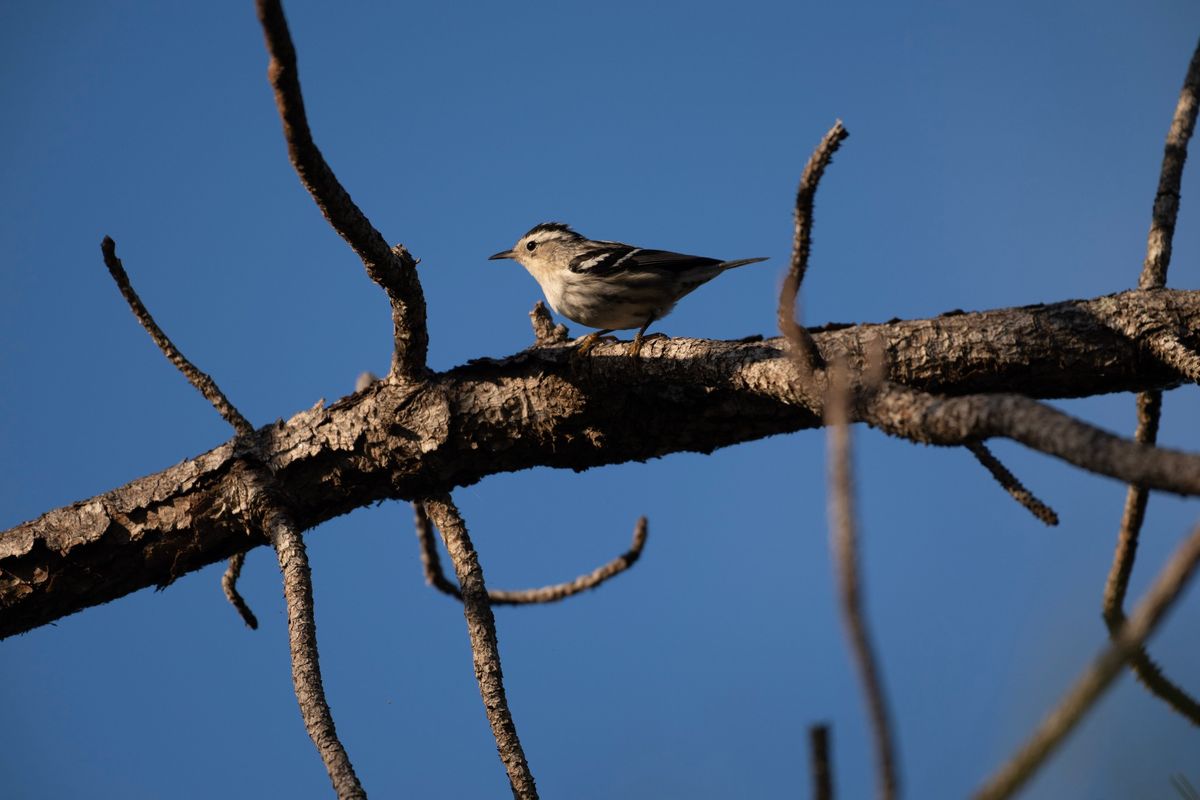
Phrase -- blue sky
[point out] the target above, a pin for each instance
(1000, 154)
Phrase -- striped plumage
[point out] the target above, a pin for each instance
(610, 285)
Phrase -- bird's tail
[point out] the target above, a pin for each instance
(740, 263)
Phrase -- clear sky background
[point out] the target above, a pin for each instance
(1000, 154)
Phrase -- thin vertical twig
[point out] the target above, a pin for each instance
(306, 666)
(818, 756)
(844, 540)
(1131, 636)
(1149, 404)
(485, 650)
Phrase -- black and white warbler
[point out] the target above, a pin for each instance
(610, 285)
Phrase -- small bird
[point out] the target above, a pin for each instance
(610, 285)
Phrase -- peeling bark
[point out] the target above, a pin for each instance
(539, 408)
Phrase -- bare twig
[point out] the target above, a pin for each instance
(229, 584)
(1166, 200)
(481, 626)
(844, 536)
(818, 752)
(1011, 485)
(394, 269)
(1182, 785)
(1149, 404)
(434, 576)
(302, 636)
(545, 332)
(1100, 674)
(203, 383)
(803, 349)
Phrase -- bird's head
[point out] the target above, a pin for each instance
(551, 244)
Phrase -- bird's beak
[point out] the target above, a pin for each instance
(500, 255)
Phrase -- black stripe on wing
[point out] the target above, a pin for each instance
(605, 260)
(615, 258)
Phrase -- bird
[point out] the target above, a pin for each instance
(610, 285)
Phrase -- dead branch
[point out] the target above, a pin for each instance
(1099, 675)
(432, 567)
(1011, 484)
(481, 626)
(1168, 348)
(229, 585)
(819, 762)
(404, 441)
(843, 533)
(202, 382)
(302, 637)
(804, 348)
(257, 503)
(393, 269)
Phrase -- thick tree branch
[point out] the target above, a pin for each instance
(394, 269)
(534, 409)
(484, 647)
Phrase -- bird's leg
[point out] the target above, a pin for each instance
(636, 347)
(589, 341)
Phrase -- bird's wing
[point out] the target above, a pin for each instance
(614, 257)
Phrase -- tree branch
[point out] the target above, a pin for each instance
(201, 381)
(486, 651)
(407, 441)
(801, 342)
(843, 534)
(819, 762)
(1099, 675)
(393, 269)
(1011, 485)
(432, 567)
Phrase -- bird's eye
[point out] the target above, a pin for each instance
(531, 246)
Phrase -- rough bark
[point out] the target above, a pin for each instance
(540, 407)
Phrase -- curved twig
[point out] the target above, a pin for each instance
(229, 584)
(1099, 675)
(393, 269)
(803, 349)
(481, 626)
(432, 567)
